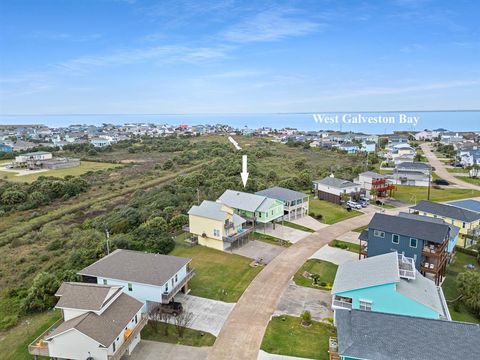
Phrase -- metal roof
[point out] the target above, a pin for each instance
(335, 182)
(448, 211)
(209, 209)
(282, 194)
(469, 204)
(245, 201)
(413, 166)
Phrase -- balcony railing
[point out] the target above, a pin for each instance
(333, 348)
(167, 296)
(238, 235)
(129, 338)
(39, 347)
(229, 225)
(342, 302)
(406, 267)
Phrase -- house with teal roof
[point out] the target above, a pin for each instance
(388, 283)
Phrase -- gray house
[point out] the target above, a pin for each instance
(412, 173)
(295, 203)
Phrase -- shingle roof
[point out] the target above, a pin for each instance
(414, 166)
(104, 328)
(469, 204)
(372, 271)
(85, 296)
(335, 182)
(448, 211)
(372, 174)
(409, 227)
(378, 336)
(136, 266)
(282, 194)
(454, 230)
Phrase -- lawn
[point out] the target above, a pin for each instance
(85, 166)
(361, 228)
(474, 181)
(412, 194)
(14, 342)
(345, 245)
(219, 275)
(190, 337)
(269, 239)
(331, 213)
(449, 286)
(297, 226)
(325, 269)
(285, 335)
(458, 170)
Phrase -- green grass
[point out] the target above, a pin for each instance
(450, 290)
(285, 335)
(190, 337)
(269, 239)
(84, 167)
(361, 228)
(219, 275)
(458, 170)
(297, 226)
(410, 194)
(474, 181)
(345, 245)
(325, 269)
(14, 343)
(331, 213)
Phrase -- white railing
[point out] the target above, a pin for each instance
(342, 304)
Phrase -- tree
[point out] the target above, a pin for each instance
(468, 284)
(41, 295)
(182, 321)
(306, 318)
(178, 221)
(13, 196)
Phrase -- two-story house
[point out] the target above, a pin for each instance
(150, 278)
(254, 208)
(374, 184)
(295, 203)
(467, 221)
(216, 225)
(387, 283)
(412, 173)
(424, 241)
(335, 190)
(99, 322)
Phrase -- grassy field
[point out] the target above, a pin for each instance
(190, 337)
(285, 335)
(450, 290)
(458, 170)
(14, 343)
(412, 194)
(219, 275)
(325, 269)
(361, 228)
(331, 213)
(345, 245)
(474, 181)
(85, 166)
(269, 239)
(297, 226)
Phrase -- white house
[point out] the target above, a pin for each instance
(33, 156)
(426, 135)
(99, 322)
(150, 278)
(332, 189)
(412, 173)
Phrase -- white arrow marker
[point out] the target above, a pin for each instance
(244, 172)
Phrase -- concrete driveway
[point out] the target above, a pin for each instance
(334, 255)
(309, 222)
(283, 232)
(208, 315)
(296, 299)
(259, 250)
(263, 355)
(152, 350)
(350, 236)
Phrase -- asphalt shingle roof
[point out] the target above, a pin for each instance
(282, 194)
(413, 166)
(471, 205)
(378, 336)
(85, 296)
(453, 229)
(448, 211)
(136, 266)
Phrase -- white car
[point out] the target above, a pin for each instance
(354, 205)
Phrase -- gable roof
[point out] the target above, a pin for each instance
(209, 209)
(379, 336)
(85, 296)
(454, 230)
(282, 194)
(104, 328)
(372, 174)
(413, 166)
(469, 204)
(372, 271)
(136, 266)
(409, 227)
(336, 182)
(448, 211)
(245, 201)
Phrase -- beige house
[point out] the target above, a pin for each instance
(216, 225)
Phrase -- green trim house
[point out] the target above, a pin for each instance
(255, 208)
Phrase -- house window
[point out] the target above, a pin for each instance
(113, 345)
(176, 277)
(172, 283)
(395, 238)
(413, 242)
(216, 232)
(104, 281)
(463, 225)
(136, 319)
(130, 287)
(166, 287)
(378, 233)
(365, 305)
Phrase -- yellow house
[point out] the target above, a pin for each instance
(466, 220)
(216, 225)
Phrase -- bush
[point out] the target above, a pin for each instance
(41, 295)
(306, 318)
(8, 321)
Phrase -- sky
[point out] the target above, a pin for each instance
(182, 56)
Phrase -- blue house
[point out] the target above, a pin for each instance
(387, 283)
(6, 148)
(350, 148)
(369, 146)
(427, 242)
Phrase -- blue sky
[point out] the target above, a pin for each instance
(134, 56)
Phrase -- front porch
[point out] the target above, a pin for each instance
(182, 284)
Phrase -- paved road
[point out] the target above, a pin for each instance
(242, 334)
(441, 170)
(155, 350)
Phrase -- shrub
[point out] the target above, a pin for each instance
(306, 318)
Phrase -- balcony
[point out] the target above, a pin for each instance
(229, 225)
(240, 234)
(406, 267)
(340, 302)
(129, 335)
(333, 348)
(39, 347)
(434, 250)
(168, 296)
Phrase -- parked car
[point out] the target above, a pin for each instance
(174, 308)
(441, 182)
(363, 202)
(354, 205)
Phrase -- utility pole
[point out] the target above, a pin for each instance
(107, 233)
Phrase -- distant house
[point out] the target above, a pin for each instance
(333, 189)
(426, 135)
(151, 278)
(412, 174)
(426, 242)
(295, 203)
(374, 183)
(466, 220)
(397, 139)
(32, 157)
(100, 142)
(368, 335)
(349, 148)
(254, 208)
(99, 322)
(388, 283)
(369, 146)
(6, 148)
(216, 225)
